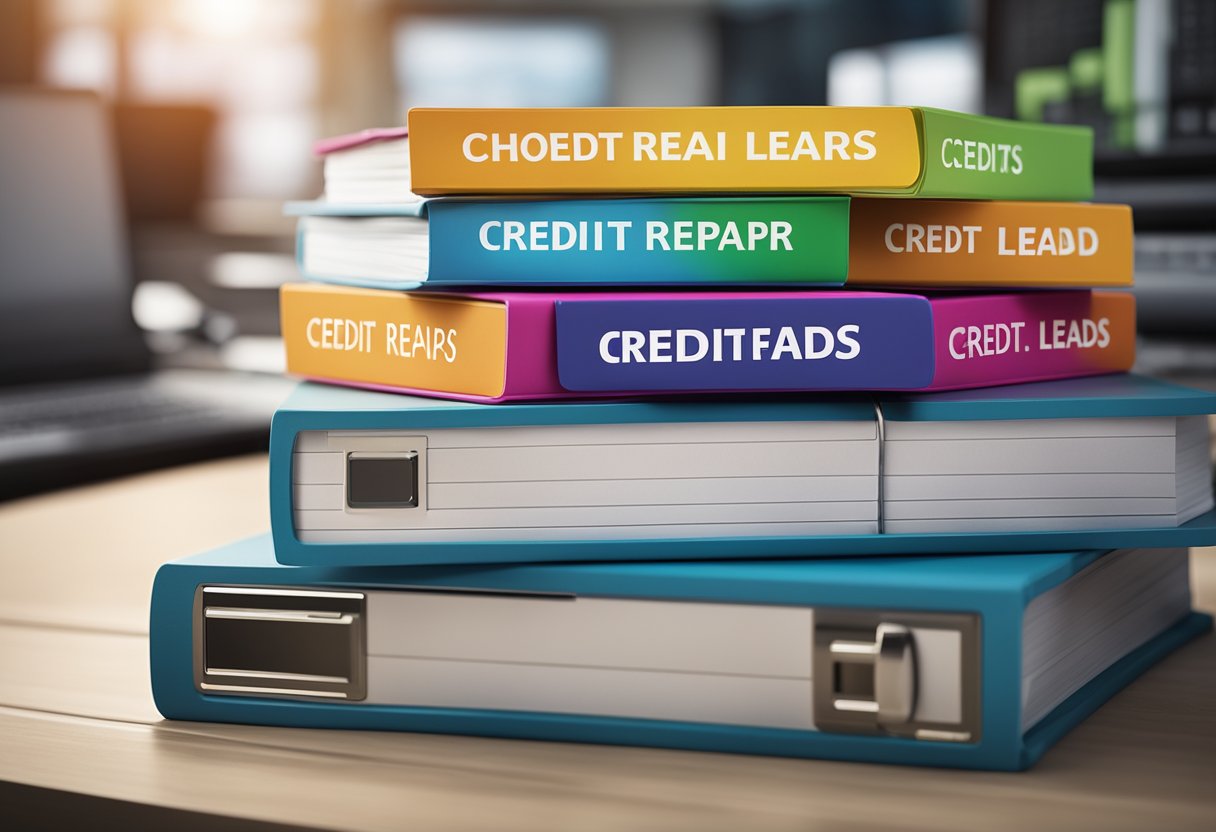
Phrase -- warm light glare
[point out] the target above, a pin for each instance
(453, 61)
(81, 56)
(219, 18)
(940, 72)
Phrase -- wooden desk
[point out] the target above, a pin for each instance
(76, 715)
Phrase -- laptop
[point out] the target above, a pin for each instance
(80, 398)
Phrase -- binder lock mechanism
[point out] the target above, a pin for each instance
(875, 676)
(866, 676)
(280, 641)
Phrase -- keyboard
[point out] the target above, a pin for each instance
(1176, 284)
(90, 405)
(59, 434)
(1181, 252)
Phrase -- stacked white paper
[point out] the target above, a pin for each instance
(389, 249)
(611, 481)
(1073, 632)
(378, 172)
(1045, 475)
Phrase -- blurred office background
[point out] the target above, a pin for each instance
(215, 105)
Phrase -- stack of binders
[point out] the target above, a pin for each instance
(638, 385)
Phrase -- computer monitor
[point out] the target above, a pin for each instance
(1142, 74)
(65, 285)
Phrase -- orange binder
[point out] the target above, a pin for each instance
(955, 243)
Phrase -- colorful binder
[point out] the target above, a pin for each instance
(715, 242)
(968, 662)
(501, 346)
(359, 478)
(912, 151)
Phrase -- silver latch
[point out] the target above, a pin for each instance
(866, 675)
(876, 676)
(280, 641)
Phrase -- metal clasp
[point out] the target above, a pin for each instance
(280, 641)
(867, 673)
(875, 676)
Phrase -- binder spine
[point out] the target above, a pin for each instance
(974, 157)
(1032, 337)
(965, 243)
(395, 340)
(637, 242)
(988, 697)
(655, 150)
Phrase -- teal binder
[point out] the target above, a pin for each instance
(815, 255)
(325, 408)
(216, 622)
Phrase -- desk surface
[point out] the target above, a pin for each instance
(76, 715)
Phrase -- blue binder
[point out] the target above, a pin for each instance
(224, 647)
(322, 408)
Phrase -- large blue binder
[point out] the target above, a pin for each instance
(990, 591)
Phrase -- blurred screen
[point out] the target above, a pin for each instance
(1141, 73)
(64, 288)
(502, 62)
(940, 72)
